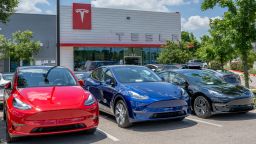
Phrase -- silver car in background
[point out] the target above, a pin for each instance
(4, 79)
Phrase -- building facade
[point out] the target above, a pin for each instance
(123, 36)
(44, 30)
(96, 34)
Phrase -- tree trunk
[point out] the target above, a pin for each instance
(21, 63)
(245, 67)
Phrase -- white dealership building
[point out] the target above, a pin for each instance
(124, 36)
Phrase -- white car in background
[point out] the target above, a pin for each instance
(4, 79)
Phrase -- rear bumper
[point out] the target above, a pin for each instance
(63, 121)
(160, 111)
(238, 105)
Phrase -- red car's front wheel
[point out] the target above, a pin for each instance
(8, 137)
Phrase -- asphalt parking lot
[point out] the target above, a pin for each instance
(220, 129)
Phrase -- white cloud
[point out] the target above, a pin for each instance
(194, 23)
(151, 5)
(31, 6)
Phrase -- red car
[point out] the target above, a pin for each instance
(44, 100)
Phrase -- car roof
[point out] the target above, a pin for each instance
(37, 67)
(182, 71)
(120, 66)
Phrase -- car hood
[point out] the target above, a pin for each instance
(156, 90)
(53, 98)
(230, 90)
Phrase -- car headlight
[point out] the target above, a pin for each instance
(18, 104)
(216, 94)
(137, 96)
(91, 100)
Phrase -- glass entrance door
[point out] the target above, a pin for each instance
(133, 56)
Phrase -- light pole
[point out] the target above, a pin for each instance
(58, 32)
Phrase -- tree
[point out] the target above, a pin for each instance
(5, 47)
(189, 41)
(240, 19)
(174, 53)
(7, 7)
(20, 47)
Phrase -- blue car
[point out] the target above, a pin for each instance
(135, 93)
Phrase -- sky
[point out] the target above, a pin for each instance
(192, 18)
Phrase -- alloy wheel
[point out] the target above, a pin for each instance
(120, 112)
(202, 107)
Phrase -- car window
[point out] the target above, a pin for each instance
(176, 78)
(108, 75)
(98, 74)
(44, 77)
(165, 76)
(7, 77)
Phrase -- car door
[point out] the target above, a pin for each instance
(108, 89)
(93, 84)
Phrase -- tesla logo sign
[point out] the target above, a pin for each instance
(82, 16)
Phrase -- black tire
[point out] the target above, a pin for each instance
(4, 115)
(8, 138)
(202, 107)
(121, 115)
(179, 119)
(91, 131)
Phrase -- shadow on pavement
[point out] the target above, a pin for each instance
(163, 125)
(69, 138)
(235, 116)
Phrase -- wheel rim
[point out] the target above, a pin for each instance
(200, 106)
(120, 113)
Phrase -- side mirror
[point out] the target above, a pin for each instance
(81, 82)
(162, 79)
(110, 82)
(8, 85)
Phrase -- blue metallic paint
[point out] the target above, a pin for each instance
(138, 109)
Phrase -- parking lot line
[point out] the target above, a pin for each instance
(109, 135)
(205, 122)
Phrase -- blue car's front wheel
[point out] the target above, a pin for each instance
(121, 114)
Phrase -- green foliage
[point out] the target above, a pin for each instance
(5, 47)
(190, 42)
(174, 53)
(238, 25)
(7, 7)
(20, 47)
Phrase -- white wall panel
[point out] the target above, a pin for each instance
(67, 57)
(107, 22)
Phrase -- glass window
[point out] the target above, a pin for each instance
(165, 76)
(7, 77)
(135, 75)
(108, 75)
(98, 74)
(45, 77)
(204, 77)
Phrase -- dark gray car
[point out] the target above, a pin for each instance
(210, 94)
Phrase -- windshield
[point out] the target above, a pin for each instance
(45, 77)
(135, 75)
(204, 77)
(7, 77)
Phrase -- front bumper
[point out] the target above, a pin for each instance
(160, 110)
(52, 122)
(238, 105)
